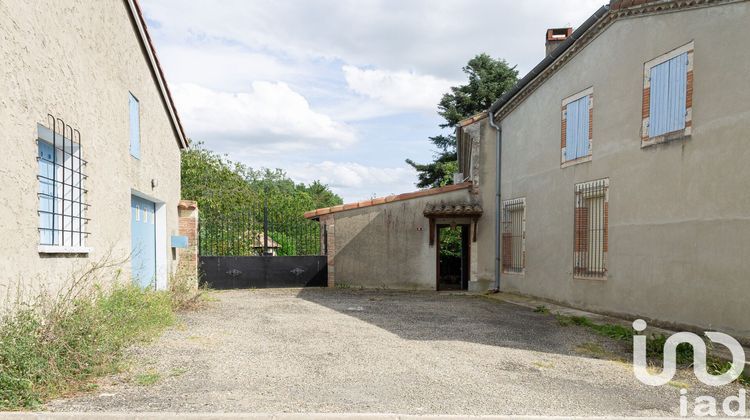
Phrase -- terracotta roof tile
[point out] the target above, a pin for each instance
(389, 199)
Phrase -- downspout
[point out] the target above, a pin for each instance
(499, 156)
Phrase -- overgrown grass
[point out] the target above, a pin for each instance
(50, 352)
(654, 345)
(56, 345)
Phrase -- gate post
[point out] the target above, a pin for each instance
(187, 263)
(328, 237)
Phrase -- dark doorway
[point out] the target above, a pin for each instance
(452, 257)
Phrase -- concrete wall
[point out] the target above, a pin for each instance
(679, 212)
(386, 245)
(78, 60)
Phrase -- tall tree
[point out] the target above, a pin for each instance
(488, 79)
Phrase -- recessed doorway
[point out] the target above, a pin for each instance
(452, 257)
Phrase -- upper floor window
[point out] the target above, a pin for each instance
(668, 96)
(577, 129)
(135, 126)
(62, 194)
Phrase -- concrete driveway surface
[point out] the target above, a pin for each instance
(352, 351)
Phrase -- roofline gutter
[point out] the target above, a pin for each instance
(554, 55)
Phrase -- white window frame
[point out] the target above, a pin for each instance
(65, 224)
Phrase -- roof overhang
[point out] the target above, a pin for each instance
(148, 46)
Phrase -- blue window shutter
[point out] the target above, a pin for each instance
(577, 129)
(46, 193)
(571, 130)
(582, 140)
(668, 92)
(135, 127)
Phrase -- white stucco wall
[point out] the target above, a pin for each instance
(78, 60)
(679, 213)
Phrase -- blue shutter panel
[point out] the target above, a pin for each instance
(46, 193)
(582, 143)
(571, 130)
(668, 94)
(135, 128)
(677, 92)
(577, 129)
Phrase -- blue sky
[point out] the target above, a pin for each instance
(335, 90)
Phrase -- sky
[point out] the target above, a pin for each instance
(341, 91)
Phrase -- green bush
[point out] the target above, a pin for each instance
(53, 348)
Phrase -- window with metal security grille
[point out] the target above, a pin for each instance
(577, 128)
(591, 229)
(62, 194)
(667, 96)
(514, 235)
(134, 126)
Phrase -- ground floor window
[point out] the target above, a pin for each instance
(62, 195)
(514, 235)
(591, 229)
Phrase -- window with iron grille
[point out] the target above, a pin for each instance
(591, 229)
(62, 194)
(514, 235)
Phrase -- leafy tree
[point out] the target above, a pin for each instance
(231, 197)
(488, 79)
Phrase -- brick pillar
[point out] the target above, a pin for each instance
(187, 264)
(327, 228)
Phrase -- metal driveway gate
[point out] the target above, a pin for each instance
(260, 247)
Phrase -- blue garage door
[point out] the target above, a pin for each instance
(143, 238)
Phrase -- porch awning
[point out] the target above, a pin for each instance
(453, 210)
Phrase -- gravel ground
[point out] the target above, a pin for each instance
(351, 351)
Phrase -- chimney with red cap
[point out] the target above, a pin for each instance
(555, 37)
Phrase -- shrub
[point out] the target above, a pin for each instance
(54, 346)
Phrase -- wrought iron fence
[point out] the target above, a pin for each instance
(260, 229)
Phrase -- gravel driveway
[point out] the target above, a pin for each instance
(330, 350)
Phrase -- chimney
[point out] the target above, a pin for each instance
(555, 37)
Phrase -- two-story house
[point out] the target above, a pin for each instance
(617, 169)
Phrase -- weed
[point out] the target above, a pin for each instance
(177, 372)
(541, 309)
(58, 344)
(147, 378)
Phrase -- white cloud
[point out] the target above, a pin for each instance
(355, 181)
(397, 89)
(271, 113)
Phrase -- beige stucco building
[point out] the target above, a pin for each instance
(623, 177)
(92, 142)
(624, 168)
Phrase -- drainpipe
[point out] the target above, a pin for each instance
(499, 161)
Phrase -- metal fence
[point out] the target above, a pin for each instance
(260, 229)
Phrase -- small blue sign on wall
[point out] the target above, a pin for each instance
(179, 241)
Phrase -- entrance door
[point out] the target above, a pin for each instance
(143, 241)
(452, 257)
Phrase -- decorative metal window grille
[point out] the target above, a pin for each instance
(514, 235)
(591, 229)
(62, 192)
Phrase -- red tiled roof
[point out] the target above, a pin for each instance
(383, 200)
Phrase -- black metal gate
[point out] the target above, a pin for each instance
(259, 247)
